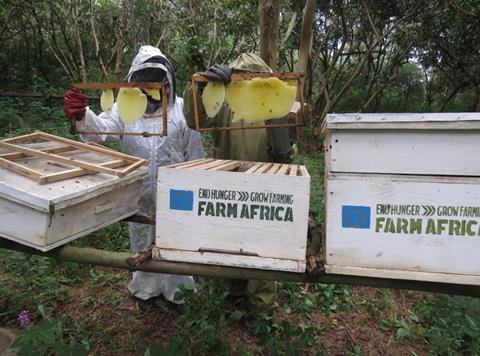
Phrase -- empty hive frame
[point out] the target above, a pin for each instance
(70, 158)
(246, 76)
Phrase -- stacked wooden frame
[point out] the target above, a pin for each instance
(63, 153)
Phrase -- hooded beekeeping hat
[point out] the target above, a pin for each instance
(250, 62)
(149, 57)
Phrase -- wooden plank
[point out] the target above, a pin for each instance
(106, 151)
(18, 168)
(273, 169)
(264, 168)
(441, 152)
(396, 118)
(247, 76)
(253, 168)
(69, 161)
(283, 169)
(117, 85)
(121, 133)
(30, 136)
(14, 156)
(226, 167)
(460, 125)
(293, 170)
(209, 165)
(397, 223)
(404, 275)
(132, 167)
(303, 171)
(76, 172)
(257, 262)
(191, 163)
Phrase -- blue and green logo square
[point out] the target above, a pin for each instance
(355, 217)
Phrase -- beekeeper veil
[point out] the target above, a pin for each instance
(151, 65)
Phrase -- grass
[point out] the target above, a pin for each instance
(78, 309)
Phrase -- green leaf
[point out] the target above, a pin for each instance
(237, 315)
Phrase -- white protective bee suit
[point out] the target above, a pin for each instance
(180, 145)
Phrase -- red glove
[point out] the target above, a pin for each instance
(75, 105)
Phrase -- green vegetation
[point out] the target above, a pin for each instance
(425, 61)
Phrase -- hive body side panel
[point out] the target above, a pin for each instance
(89, 215)
(21, 223)
(434, 152)
(236, 222)
(417, 224)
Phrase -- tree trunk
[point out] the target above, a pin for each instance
(306, 36)
(119, 47)
(305, 51)
(269, 15)
(83, 67)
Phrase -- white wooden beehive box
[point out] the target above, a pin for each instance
(45, 216)
(402, 196)
(233, 213)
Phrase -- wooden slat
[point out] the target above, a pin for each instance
(99, 145)
(17, 168)
(247, 76)
(106, 151)
(264, 168)
(132, 167)
(293, 170)
(303, 171)
(227, 166)
(283, 169)
(273, 169)
(117, 85)
(253, 168)
(31, 136)
(192, 163)
(18, 155)
(175, 165)
(76, 172)
(69, 161)
(121, 133)
(209, 165)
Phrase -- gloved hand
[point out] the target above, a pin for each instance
(75, 105)
(218, 73)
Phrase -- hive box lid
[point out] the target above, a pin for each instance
(437, 121)
(61, 194)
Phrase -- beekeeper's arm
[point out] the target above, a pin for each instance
(75, 105)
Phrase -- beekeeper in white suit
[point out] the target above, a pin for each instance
(181, 144)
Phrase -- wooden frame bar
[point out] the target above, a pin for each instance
(18, 168)
(245, 76)
(117, 85)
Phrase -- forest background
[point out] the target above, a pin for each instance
(357, 56)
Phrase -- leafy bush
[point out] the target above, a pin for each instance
(47, 338)
(451, 324)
